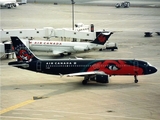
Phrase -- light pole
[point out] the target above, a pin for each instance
(73, 13)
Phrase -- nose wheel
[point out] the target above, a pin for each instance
(135, 79)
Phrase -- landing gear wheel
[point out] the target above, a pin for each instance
(9, 6)
(112, 49)
(100, 49)
(117, 5)
(135, 79)
(62, 55)
(69, 53)
(84, 82)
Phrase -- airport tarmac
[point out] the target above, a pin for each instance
(66, 98)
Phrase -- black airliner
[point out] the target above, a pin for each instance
(94, 70)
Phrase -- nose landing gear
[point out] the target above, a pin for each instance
(135, 79)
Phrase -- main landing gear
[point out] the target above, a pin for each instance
(85, 81)
(62, 54)
(135, 79)
(97, 78)
(101, 79)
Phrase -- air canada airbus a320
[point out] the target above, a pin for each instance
(94, 70)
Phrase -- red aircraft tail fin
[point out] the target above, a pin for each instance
(102, 37)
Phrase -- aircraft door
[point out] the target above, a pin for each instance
(38, 66)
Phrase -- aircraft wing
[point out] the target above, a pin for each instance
(85, 73)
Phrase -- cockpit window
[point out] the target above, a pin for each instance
(149, 64)
(145, 64)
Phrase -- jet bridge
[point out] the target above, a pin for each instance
(80, 32)
(6, 50)
(47, 33)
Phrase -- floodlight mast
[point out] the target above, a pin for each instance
(73, 13)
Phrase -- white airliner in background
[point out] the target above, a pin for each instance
(11, 3)
(62, 48)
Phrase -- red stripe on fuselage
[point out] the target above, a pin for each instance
(123, 68)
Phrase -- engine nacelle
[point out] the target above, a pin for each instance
(80, 48)
(16, 5)
(100, 79)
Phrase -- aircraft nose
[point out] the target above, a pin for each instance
(152, 70)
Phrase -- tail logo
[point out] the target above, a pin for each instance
(23, 54)
(101, 38)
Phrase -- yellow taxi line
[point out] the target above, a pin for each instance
(16, 106)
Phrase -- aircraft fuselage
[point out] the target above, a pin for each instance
(50, 46)
(110, 67)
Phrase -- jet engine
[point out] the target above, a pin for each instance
(16, 4)
(100, 78)
(80, 48)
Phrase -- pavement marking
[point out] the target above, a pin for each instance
(24, 118)
(89, 114)
(16, 106)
